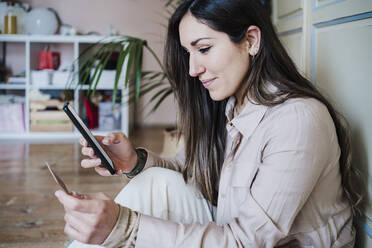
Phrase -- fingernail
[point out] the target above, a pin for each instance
(97, 160)
(105, 141)
(57, 193)
(77, 195)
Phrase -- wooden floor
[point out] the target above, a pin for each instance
(30, 215)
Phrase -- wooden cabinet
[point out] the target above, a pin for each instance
(22, 52)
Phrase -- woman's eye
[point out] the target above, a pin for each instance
(204, 49)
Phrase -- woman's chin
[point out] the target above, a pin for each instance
(217, 97)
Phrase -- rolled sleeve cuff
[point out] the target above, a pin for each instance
(124, 233)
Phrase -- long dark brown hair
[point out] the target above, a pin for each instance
(203, 120)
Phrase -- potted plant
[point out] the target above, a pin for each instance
(129, 50)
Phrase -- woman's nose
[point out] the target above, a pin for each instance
(195, 68)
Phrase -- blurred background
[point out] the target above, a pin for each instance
(44, 42)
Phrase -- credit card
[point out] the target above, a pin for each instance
(57, 178)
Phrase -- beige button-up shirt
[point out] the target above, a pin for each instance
(282, 187)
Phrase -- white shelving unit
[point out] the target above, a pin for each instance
(32, 44)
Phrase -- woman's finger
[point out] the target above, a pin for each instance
(78, 221)
(90, 163)
(102, 171)
(88, 151)
(83, 142)
(77, 195)
(97, 196)
(71, 203)
(73, 233)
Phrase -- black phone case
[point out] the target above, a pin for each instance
(86, 136)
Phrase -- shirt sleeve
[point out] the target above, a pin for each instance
(124, 233)
(293, 158)
(176, 163)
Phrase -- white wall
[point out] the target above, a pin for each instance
(140, 18)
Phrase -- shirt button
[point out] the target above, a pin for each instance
(230, 124)
(223, 195)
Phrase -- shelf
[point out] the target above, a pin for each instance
(39, 135)
(49, 87)
(29, 46)
(103, 133)
(12, 86)
(86, 87)
(56, 38)
(51, 135)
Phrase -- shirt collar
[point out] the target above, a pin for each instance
(247, 121)
(229, 111)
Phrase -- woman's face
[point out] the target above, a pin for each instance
(220, 64)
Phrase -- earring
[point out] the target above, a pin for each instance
(253, 50)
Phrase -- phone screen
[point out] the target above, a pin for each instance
(83, 129)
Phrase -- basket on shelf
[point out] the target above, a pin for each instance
(48, 116)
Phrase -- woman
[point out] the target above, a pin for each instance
(262, 144)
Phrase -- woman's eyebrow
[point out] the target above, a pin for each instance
(193, 43)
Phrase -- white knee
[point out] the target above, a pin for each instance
(164, 194)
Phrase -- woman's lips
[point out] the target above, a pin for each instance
(207, 82)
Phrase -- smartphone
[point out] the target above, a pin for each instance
(88, 136)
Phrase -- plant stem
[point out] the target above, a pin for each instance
(155, 56)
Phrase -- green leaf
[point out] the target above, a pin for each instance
(145, 89)
(102, 67)
(91, 65)
(165, 94)
(88, 64)
(158, 94)
(131, 54)
(155, 75)
(138, 68)
(122, 55)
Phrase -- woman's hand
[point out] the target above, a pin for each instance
(119, 149)
(89, 218)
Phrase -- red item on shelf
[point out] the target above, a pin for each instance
(92, 113)
(49, 60)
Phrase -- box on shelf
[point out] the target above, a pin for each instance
(43, 104)
(60, 78)
(12, 118)
(49, 77)
(50, 121)
(16, 80)
(42, 120)
(109, 116)
(107, 78)
(42, 77)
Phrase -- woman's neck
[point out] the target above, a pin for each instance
(239, 105)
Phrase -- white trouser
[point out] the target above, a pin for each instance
(162, 193)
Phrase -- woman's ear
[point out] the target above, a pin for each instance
(253, 37)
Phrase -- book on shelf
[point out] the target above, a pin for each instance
(16, 80)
